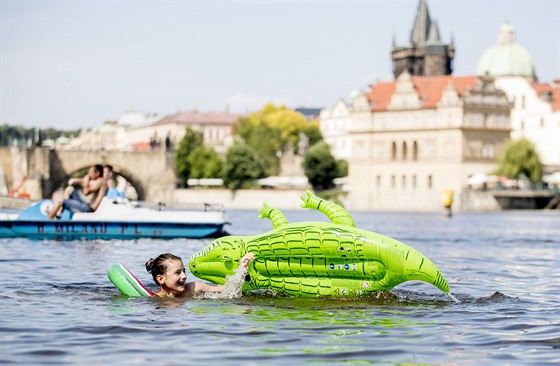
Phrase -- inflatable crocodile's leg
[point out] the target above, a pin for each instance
(275, 215)
(334, 212)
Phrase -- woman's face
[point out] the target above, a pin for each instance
(174, 279)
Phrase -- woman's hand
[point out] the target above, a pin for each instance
(244, 261)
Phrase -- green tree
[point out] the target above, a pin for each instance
(342, 168)
(205, 163)
(21, 136)
(264, 139)
(272, 131)
(520, 157)
(242, 166)
(189, 143)
(320, 166)
(313, 133)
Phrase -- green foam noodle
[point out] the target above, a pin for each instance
(126, 282)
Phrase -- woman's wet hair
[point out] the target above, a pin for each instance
(158, 266)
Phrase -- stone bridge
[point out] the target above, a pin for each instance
(44, 170)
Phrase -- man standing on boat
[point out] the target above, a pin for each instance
(93, 186)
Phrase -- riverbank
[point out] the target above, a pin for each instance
(289, 199)
(246, 199)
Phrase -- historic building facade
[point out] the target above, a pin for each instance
(168, 131)
(415, 137)
(536, 106)
(409, 140)
(139, 132)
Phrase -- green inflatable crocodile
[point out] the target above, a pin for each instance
(316, 258)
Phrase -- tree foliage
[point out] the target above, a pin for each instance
(241, 167)
(22, 136)
(190, 142)
(272, 131)
(320, 166)
(205, 163)
(520, 157)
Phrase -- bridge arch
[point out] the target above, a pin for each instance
(60, 181)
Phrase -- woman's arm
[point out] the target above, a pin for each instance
(201, 286)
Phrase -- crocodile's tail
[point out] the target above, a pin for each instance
(419, 267)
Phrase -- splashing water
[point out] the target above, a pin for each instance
(453, 298)
(232, 287)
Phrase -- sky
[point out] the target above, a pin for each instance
(78, 63)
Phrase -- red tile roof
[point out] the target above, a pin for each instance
(196, 117)
(429, 89)
(549, 93)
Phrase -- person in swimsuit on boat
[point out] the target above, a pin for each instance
(169, 274)
(108, 176)
(93, 186)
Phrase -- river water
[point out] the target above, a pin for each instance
(59, 308)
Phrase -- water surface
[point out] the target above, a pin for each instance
(58, 307)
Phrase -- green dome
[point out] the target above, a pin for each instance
(507, 58)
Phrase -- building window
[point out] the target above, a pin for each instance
(476, 119)
(403, 181)
(542, 122)
(414, 150)
(499, 120)
(404, 150)
(394, 151)
(523, 102)
(430, 181)
(414, 181)
(429, 148)
(393, 181)
(378, 182)
(487, 151)
(522, 124)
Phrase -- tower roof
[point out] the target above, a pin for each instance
(422, 24)
(506, 58)
(433, 35)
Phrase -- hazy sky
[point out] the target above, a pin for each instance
(70, 64)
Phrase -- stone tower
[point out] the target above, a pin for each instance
(425, 55)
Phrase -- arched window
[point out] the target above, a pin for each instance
(430, 181)
(394, 151)
(404, 150)
(414, 150)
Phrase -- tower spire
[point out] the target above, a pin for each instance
(433, 35)
(422, 24)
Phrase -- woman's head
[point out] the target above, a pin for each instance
(168, 272)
